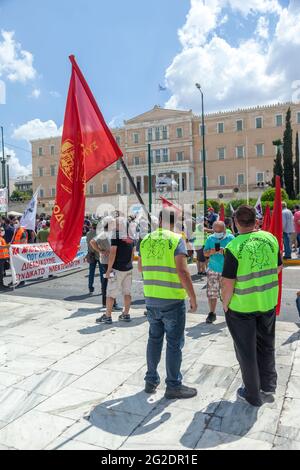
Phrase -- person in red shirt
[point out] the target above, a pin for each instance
(297, 225)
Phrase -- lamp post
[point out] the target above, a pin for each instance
(8, 157)
(198, 86)
(3, 162)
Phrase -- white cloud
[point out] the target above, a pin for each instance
(36, 93)
(55, 94)
(37, 129)
(249, 73)
(15, 166)
(263, 27)
(117, 121)
(16, 64)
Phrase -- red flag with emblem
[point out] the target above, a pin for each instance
(277, 230)
(267, 219)
(88, 147)
(222, 213)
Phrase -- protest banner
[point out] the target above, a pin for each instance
(31, 262)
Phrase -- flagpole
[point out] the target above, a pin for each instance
(247, 171)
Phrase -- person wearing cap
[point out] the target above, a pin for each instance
(212, 217)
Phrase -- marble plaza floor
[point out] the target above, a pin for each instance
(68, 383)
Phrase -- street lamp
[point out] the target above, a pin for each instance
(198, 86)
(3, 162)
(8, 157)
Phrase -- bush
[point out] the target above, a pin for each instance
(269, 195)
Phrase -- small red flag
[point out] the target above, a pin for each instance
(277, 230)
(267, 219)
(88, 147)
(166, 203)
(222, 213)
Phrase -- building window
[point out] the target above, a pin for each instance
(41, 172)
(165, 155)
(157, 156)
(41, 192)
(136, 138)
(53, 192)
(298, 118)
(260, 177)
(220, 127)
(240, 179)
(165, 132)
(240, 151)
(105, 188)
(52, 170)
(258, 122)
(180, 156)
(239, 125)
(222, 180)
(279, 120)
(52, 150)
(40, 151)
(150, 134)
(260, 150)
(136, 161)
(221, 153)
(91, 190)
(179, 132)
(139, 186)
(118, 140)
(118, 186)
(157, 133)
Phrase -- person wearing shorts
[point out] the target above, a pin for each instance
(119, 272)
(214, 249)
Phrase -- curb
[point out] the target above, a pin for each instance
(291, 262)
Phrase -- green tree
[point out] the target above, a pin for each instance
(297, 188)
(288, 166)
(278, 168)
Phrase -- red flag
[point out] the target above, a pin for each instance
(167, 203)
(222, 213)
(88, 147)
(267, 219)
(277, 230)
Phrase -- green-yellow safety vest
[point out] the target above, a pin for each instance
(160, 276)
(256, 287)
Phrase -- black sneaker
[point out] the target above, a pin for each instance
(181, 392)
(268, 393)
(241, 394)
(211, 317)
(92, 290)
(4, 288)
(150, 388)
(104, 319)
(125, 317)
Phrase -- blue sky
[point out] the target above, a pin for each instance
(126, 48)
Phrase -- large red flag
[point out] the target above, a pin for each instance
(277, 230)
(222, 213)
(267, 219)
(88, 147)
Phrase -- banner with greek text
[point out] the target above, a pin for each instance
(36, 261)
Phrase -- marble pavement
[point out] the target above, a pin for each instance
(68, 383)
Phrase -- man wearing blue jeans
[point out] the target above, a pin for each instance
(288, 229)
(163, 262)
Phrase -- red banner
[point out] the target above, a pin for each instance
(277, 230)
(88, 147)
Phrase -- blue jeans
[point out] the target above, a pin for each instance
(287, 245)
(92, 271)
(298, 305)
(298, 241)
(170, 321)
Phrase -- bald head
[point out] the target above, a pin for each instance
(219, 227)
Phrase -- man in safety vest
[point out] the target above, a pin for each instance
(250, 296)
(167, 281)
(4, 256)
(20, 236)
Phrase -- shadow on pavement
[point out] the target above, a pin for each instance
(204, 329)
(83, 312)
(75, 298)
(90, 330)
(294, 337)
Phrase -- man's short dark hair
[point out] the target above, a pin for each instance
(228, 221)
(245, 216)
(297, 207)
(168, 216)
(48, 224)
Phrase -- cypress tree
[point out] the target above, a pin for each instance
(278, 169)
(297, 166)
(288, 166)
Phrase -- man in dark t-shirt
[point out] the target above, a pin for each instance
(119, 272)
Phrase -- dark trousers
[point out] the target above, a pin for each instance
(92, 271)
(104, 282)
(2, 271)
(254, 341)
